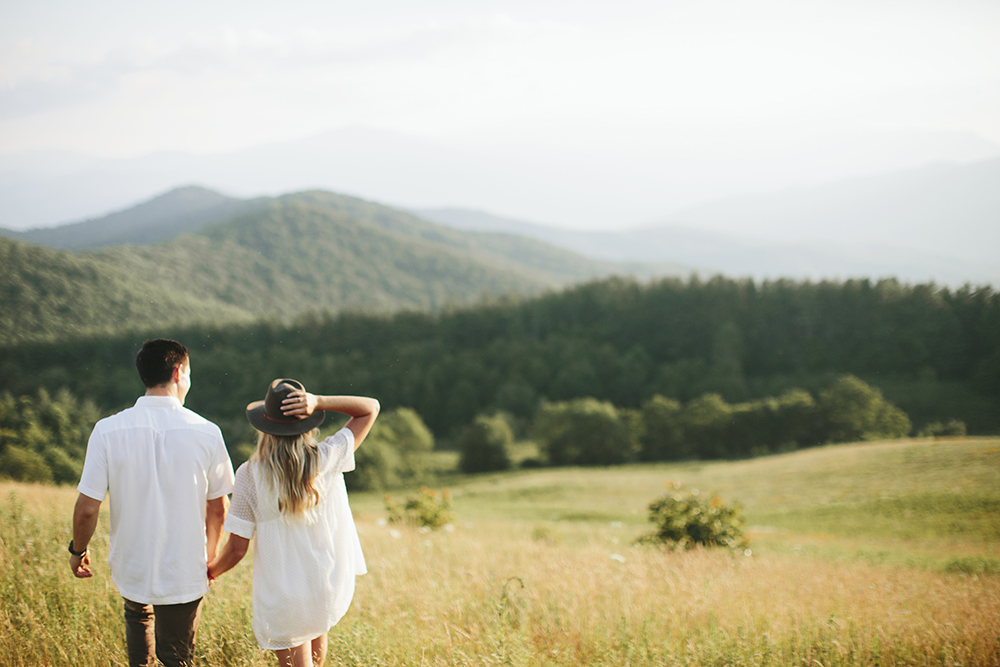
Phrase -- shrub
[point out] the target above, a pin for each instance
(973, 565)
(705, 424)
(483, 444)
(683, 519)
(405, 431)
(584, 431)
(43, 438)
(663, 439)
(394, 452)
(24, 465)
(854, 410)
(936, 429)
(423, 509)
(377, 467)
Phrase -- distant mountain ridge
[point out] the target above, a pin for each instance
(182, 210)
(943, 208)
(562, 185)
(194, 256)
(939, 223)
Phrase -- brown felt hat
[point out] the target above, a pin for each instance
(266, 415)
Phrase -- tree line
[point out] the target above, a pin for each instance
(43, 438)
(617, 341)
(585, 431)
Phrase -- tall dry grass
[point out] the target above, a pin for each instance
(519, 590)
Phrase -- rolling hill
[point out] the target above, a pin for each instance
(194, 256)
(180, 211)
(51, 295)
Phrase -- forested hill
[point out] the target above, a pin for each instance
(265, 258)
(53, 295)
(163, 218)
(933, 351)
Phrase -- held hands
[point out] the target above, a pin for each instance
(299, 403)
(80, 566)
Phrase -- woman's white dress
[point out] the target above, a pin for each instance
(303, 572)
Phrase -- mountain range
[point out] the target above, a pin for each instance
(938, 223)
(195, 256)
(586, 186)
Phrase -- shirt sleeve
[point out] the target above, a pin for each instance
(242, 516)
(94, 479)
(340, 449)
(220, 475)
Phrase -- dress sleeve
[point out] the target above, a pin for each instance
(242, 516)
(340, 450)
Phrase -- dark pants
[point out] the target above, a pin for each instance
(164, 631)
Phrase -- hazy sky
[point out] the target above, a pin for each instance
(702, 81)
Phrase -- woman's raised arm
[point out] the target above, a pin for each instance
(362, 410)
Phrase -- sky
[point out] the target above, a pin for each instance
(806, 88)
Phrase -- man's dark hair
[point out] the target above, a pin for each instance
(157, 359)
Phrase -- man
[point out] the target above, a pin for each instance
(167, 474)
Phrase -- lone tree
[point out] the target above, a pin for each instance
(484, 444)
(584, 431)
(853, 410)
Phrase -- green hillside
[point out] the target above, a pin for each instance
(266, 258)
(288, 257)
(182, 210)
(52, 295)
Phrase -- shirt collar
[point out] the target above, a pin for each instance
(158, 402)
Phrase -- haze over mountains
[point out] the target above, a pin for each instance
(936, 223)
(590, 186)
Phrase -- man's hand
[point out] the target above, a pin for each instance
(80, 566)
(298, 403)
(84, 523)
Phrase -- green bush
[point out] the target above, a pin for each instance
(953, 428)
(973, 565)
(377, 467)
(663, 436)
(706, 425)
(43, 438)
(484, 444)
(684, 520)
(423, 509)
(394, 452)
(24, 465)
(584, 431)
(854, 410)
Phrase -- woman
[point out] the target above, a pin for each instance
(291, 493)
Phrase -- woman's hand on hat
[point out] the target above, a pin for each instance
(298, 403)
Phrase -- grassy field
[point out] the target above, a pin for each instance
(868, 554)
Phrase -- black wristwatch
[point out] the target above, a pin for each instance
(78, 554)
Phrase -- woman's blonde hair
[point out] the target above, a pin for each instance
(290, 466)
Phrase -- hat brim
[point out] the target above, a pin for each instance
(260, 421)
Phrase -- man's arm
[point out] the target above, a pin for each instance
(215, 516)
(361, 410)
(84, 524)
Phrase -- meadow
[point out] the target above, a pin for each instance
(864, 554)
